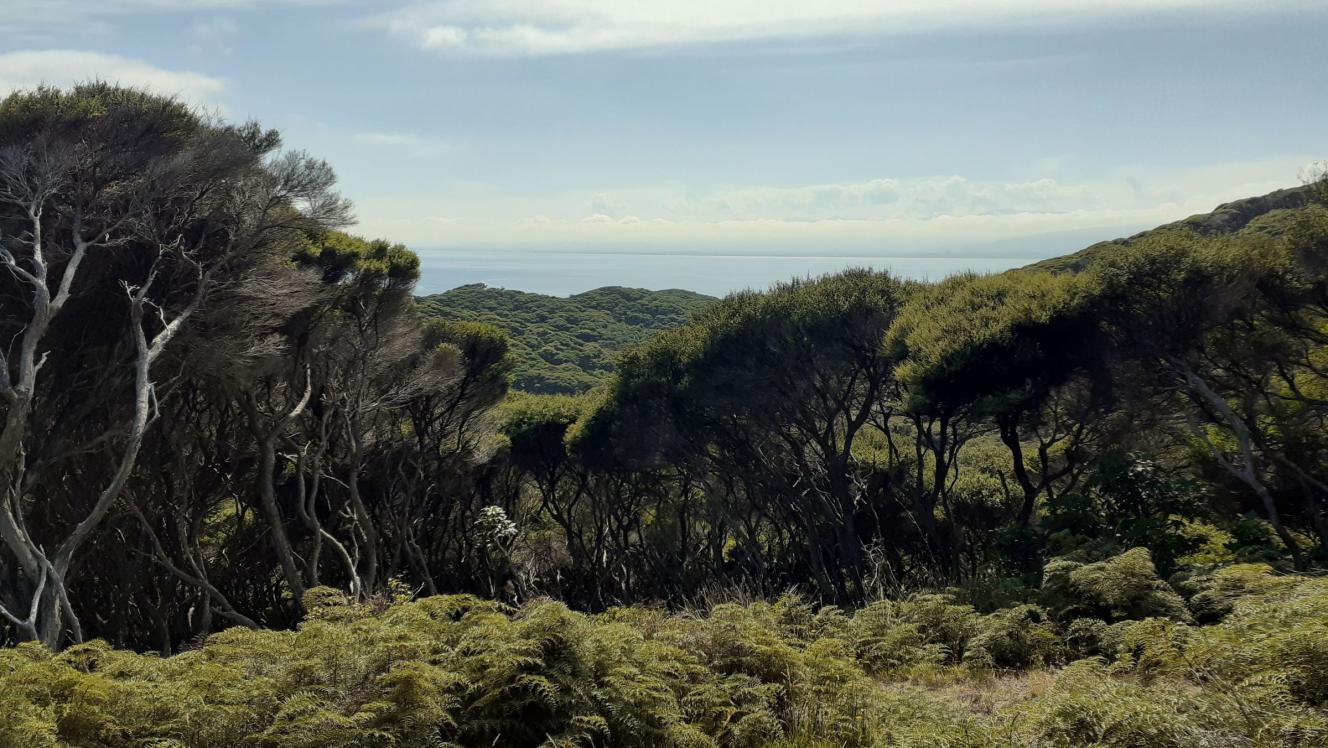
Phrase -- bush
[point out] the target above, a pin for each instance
(1213, 595)
(1277, 634)
(1124, 587)
(890, 635)
(1084, 638)
(924, 672)
(1089, 707)
(1019, 637)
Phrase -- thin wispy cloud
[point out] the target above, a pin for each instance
(416, 145)
(911, 198)
(214, 28)
(387, 138)
(29, 18)
(527, 28)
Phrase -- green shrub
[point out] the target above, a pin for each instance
(1214, 594)
(1279, 633)
(1089, 707)
(1084, 638)
(1124, 587)
(1018, 637)
(885, 640)
(923, 672)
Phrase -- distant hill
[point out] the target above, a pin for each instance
(567, 344)
(1266, 213)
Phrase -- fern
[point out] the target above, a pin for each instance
(922, 672)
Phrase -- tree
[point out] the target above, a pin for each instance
(1186, 309)
(110, 187)
(779, 386)
(1019, 350)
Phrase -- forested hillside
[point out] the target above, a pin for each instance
(1066, 505)
(1273, 214)
(567, 345)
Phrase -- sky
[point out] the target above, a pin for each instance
(558, 145)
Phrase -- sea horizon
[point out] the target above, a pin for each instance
(719, 271)
(563, 273)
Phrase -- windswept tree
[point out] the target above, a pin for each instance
(1017, 351)
(215, 404)
(1210, 320)
(432, 467)
(103, 188)
(779, 387)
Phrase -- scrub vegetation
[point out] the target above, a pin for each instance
(254, 493)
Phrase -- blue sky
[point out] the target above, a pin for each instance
(1019, 128)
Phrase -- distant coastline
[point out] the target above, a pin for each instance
(559, 273)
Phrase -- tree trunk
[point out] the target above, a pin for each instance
(1246, 471)
(267, 494)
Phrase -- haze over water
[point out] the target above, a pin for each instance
(561, 273)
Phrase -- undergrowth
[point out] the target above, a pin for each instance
(1231, 657)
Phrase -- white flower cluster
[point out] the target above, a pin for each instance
(494, 526)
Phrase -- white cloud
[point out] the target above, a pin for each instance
(892, 216)
(22, 10)
(63, 67)
(552, 27)
(41, 19)
(895, 198)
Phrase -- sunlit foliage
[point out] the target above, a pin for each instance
(923, 671)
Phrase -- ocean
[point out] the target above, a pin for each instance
(561, 273)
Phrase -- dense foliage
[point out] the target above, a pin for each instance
(1079, 503)
(926, 671)
(566, 345)
(212, 399)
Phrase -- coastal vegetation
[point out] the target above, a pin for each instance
(1241, 663)
(256, 493)
(566, 345)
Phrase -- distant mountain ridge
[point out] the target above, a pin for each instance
(565, 345)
